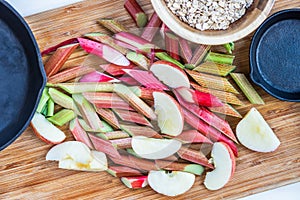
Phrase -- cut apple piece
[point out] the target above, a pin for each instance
(224, 162)
(45, 130)
(255, 133)
(135, 182)
(170, 183)
(152, 148)
(169, 114)
(170, 74)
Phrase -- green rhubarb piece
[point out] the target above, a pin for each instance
(44, 110)
(78, 87)
(215, 68)
(167, 57)
(139, 59)
(50, 108)
(62, 117)
(194, 169)
(229, 47)
(43, 100)
(106, 127)
(249, 91)
(189, 66)
(61, 99)
(220, 58)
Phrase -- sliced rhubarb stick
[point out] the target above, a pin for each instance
(146, 78)
(220, 58)
(151, 27)
(97, 77)
(211, 81)
(172, 45)
(106, 39)
(226, 97)
(198, 98)
(134, 40)
(251, 94)
(199, 54)
(43, 101)
(87, 111)
(135, 182)
(106, 100)
(109, 117)
(135, 130)
(134, 101)
(193, 136)
(136, 12)
(112, 25)
(176, 166)
(70, 73)
(143, 93)
(116, 70)
(74, 88)
(122, 171)
(139, 59)
(215, 68)
(50, 107)
(126, 45)
(166, 57)
(103, 51)
(226, 110)
(62, 117)
(62, 99)
(54, 48)
(58, 59)
(194, 156)
(113, 135)
(185, 50)
(128, 80)
(131, 116)
(105, 128)
(208, 130)
(163, 29)
(123, 143)
(134, 162)
(104, 146)
(79, 133)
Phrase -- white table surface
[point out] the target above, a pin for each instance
(29, 7)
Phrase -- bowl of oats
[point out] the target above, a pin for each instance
(213, 22)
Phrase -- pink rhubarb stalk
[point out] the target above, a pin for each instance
(172, 45)
(63, 43)
(97, 77)
(104, 146)
(136, 12)
(122, 171)
(79, 133)
(134, 40)
(193, 136)
(135, 130)
(185, 50)
(194, 156)
(116, 70)
(131, 116)
(109, 117)
(152, 27)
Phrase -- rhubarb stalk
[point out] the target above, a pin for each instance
(185, 50)
(62, 117)
(199, 54)
(112, 25)
(131, 116)
(152, 27)
(136, 12)
(215, 68)
(220, 58)
(172, 45)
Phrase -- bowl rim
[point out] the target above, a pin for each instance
(165, 15)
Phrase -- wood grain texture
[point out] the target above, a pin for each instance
(26, 175)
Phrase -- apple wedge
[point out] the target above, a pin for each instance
(169, 114)
(135, 182)
(254, 133)
(224, 162)
(170, 74)
(170, 183)
(46, 131)
(153, 148)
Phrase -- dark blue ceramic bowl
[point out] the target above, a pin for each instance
(22, 76)
(275, 55)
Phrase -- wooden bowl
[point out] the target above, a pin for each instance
(254, 16)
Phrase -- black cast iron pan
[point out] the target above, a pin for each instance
(21, 74)
(275, 55)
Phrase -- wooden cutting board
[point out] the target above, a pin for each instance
(26, 175)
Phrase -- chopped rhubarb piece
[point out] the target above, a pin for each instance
(172, 45)
(134, 40)
(126, 45)
(146, 78)
(116, 70)
(138, 104)
(122, 171)
(193, 136)
(152, 27)
(50, 107)
(194, 156)
(109, 117)
(131, 116)
(135, 130)
(103, 51)
(63, 43)
(215, 68)
(106, 39)
(134, 162)
(135, 182)
(220, 58)
(163, 30)
(87, 111)
(139, 59)
(226, 110)
(166, 57)
(143, 93)
(58, 59)
(177, 166)
(198, 98)
(96, 76)
(62, 117)
(79, 133)
(70, 73)
(123, 143)
(185, 50)
(136, 12)
(199, 54)
(113, 135)
(62, 99)
(112, 25)
(43, 101)
(104, 146)
(128, 80)
(74, 88)
(105, 128)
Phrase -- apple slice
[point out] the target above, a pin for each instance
(169, 114)
(153, 148)
(170, 183)
(255, 133)
(170, 74)
(135, 182)
(224, 162)
(45, 130)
